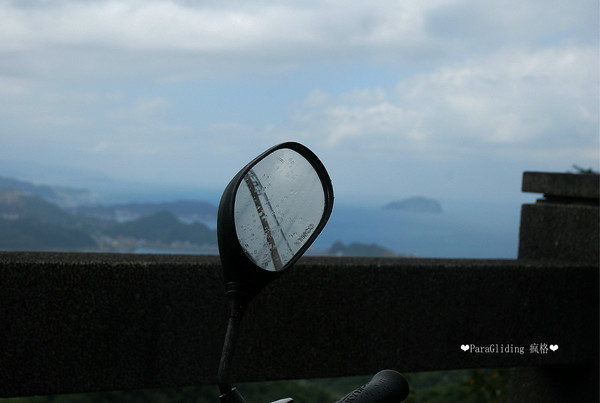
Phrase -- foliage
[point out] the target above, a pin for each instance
(585, 171)
(300, 391)
(203, 394)
(468, 386)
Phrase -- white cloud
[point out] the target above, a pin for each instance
(173, 41)
(515, 98)
(220, 27)
(136, 85)
(12, 86)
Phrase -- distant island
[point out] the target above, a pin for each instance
(417, 205)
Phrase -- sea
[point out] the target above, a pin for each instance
(462, 230)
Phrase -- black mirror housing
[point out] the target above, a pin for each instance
(270, 213)
(240, 273)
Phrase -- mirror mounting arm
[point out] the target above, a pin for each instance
(270, 213)
(233, 396)
(238, 301)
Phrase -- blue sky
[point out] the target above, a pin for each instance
(443, 98)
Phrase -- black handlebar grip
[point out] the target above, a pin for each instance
(387, 386)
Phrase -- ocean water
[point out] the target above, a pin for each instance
(463, 230)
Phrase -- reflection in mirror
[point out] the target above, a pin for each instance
(278, 205)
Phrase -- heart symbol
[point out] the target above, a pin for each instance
(553, 347)
(465, 347)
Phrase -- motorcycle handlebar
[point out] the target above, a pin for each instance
(387, 386)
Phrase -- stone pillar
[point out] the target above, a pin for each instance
(560, 226)
(563, 225)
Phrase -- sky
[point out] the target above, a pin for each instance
(449, 99)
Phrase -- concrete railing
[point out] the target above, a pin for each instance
(79, 322)
(85, 322)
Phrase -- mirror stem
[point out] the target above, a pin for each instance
(237, 305)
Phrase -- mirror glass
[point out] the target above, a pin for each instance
(278, 205)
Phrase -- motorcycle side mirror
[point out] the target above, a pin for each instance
(269, 214)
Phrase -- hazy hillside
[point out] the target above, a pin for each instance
(166, 228)
(28, 234)
(26, 187)
(187, 210)
(28, 222)
(64, 196)
(16, 204)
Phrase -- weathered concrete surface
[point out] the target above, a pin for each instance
(554, 383)
(87, 322)
(82, 322)
(562, 184)
(551, 231)
(564, 224)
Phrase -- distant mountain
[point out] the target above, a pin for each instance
(61, 195)
(15, 184)
(80, 202)
(417, 205)
(28, 234)
(40, 217)
(165, 228)
(16, 204)
(187, 210)
(28, 222)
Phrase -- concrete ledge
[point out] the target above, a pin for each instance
(579, 186)
(564, 224)
(88, 322)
